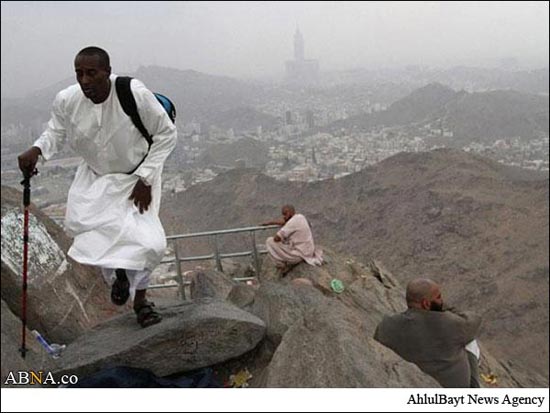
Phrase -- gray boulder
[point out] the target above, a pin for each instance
(210, 283)
(243, 296)
(192, 335)
(281, 305)
(64, 298)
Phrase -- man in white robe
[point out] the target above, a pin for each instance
(293, 243)
(114, 200)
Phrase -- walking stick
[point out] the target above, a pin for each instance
(26, 203)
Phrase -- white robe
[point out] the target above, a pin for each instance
(296, 243)
(108, 229)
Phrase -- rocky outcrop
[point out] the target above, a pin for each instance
(300, 330)
(65, 299)
(321, 342)
(324, 339)
(478, 227)
(192, 335)
(321, 338)
(210, 283)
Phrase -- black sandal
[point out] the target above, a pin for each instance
(146, 316)
(120, 291)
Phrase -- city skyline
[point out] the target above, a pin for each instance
(301, 70)
(254, 39)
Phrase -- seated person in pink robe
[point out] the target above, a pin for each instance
(293, 243)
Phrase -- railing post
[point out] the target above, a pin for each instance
(178, 269)
(217, 254)
(255, 255)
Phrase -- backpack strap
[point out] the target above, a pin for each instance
(128, 103)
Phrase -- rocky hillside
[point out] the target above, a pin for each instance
(492, 115)
(476, 226)
(276, 332)
(292, 332)
(480, 117)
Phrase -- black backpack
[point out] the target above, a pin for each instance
(128, 103)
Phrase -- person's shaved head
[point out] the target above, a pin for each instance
(289, 208)
(288, 212)
(422, 293)
(419, 288)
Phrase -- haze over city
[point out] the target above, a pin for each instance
(254, 39)
(414, 136)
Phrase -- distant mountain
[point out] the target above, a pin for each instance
(477, 226)
(470, 78)
(420, 104)
(34, 107)
(197, 96)
(480, 116)
(459, 77)
(15, 113)
(229, 103)
(423, 103)
(491, 115)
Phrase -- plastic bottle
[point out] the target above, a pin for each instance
(58, 349)
(53, 349)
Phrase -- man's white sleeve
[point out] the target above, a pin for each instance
(158, 124)
(53, 138)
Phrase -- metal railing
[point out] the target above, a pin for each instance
(58, 219)
(216, 254)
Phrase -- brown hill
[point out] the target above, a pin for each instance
(492, 115)
(290, 332)
(480, 117)
(476, 226)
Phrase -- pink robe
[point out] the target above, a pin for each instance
(297, 243)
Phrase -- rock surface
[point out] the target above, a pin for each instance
(476, 226)
(36, 358)
(192, 335)
(64, 298)
(291, 331)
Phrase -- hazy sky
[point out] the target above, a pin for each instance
(40, 39)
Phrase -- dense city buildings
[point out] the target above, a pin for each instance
(306, 128)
